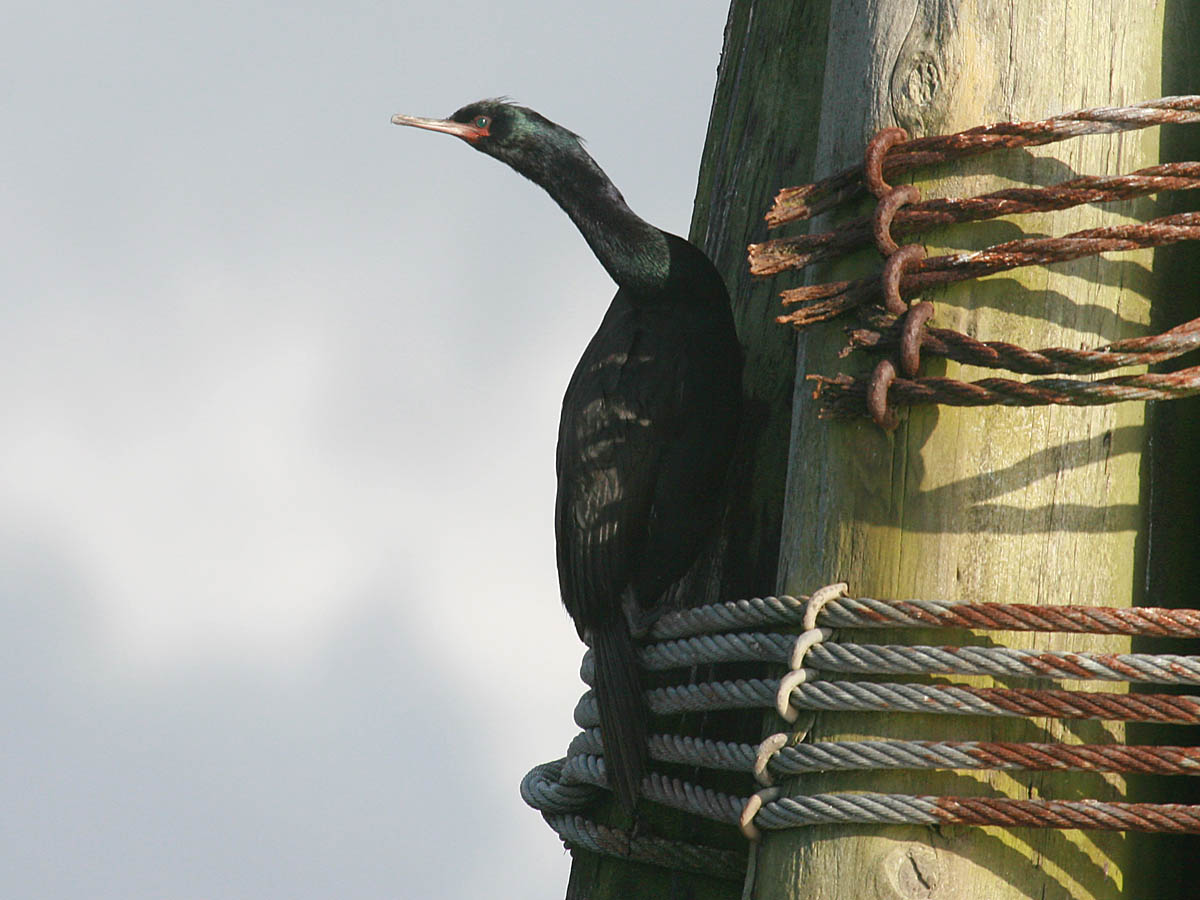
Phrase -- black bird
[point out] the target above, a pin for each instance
(648, 422)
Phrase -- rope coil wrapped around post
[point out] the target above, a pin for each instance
(732, 632)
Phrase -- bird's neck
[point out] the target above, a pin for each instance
(633, 251)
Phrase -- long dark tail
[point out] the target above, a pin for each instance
(622, 709)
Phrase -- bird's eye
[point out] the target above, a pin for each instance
(482, 122)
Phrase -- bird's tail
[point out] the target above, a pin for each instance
(622, 709)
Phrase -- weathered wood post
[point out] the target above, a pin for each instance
(1035, 505)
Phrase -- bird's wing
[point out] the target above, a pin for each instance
(619, 412)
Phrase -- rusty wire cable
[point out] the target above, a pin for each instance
(873, 808)
(560, 801)
(804, 202)
(884, 333)
(904, 333)
(825, 301)
(936, 699)
(586, 754)
(771, 257)
(903, 659)
(869, 612)
(844, 396)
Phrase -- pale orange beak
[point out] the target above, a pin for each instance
(464, 130)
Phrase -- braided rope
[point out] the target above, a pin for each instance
(772, 256)
(778, 812)
(901, 809)
(866, 612)
(905, 660)
(845, 396)
(885, 333)
(846, 756)
(576, 831)
(834, 298)
(559, 800)
(685, 639)
(940, 699)
(808, 200)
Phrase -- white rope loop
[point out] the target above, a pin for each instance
(820, 599)
(787, 684)
(693, 637)
(753, 804)
(807, 639)
(766, 752)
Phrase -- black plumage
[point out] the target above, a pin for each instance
(649, 419)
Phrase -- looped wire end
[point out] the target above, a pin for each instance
(894, 268)
(753, 804)
(766, 752)
(805, 642)
(787, 684)
(910, 336)
(877, 149)
(819, 600)
(877, 391)
(885, 211)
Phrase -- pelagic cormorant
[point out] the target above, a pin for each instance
(649, 419)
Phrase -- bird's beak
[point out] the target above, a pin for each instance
(464, 130)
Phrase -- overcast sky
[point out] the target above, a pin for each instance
(279, 384)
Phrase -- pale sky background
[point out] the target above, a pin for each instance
(279, 384)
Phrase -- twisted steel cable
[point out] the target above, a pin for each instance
(560, 801)
(562, 788)
(884, 334)
(875, 659)
(577, 831)
(860, 808)
(869, 612)
(900, 809)
(941, 699)
(852, 808)
(808, 200)
(825, 301)
(845, 396)
(774, 256)
(586, 753)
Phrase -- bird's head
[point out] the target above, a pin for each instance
(513, 134)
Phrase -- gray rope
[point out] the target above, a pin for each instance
(681, 749)
(915, 698)
(577, 831)
(687, 796)
(745, 694)
(874, 659)
(821, 809)
(1005, 661)
(843, 756)
(546, 790)
(684, 641)
(899, 809)
(732, 616)
(866, 612)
